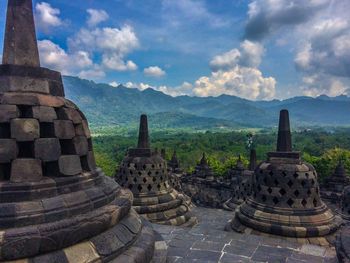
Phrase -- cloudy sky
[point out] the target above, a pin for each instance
(258, 49)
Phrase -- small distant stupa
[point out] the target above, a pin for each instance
(145, 174)
(203, 170)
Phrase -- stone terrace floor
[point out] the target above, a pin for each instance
(208, 242)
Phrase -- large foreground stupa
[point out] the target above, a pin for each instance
(145, 174)
(55, 205)
(286, 196)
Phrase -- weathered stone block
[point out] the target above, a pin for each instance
(86, 129)
(26, 170)
(8, 150)
(69, 165)
(64, 129)
(44, 114)
(47, 149)
(70, 114)
(8, 112)
(25, 129)
(80, 145)
(91, 160)
(20, 98)
(25, 84)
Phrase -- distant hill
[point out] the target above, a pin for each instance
(105, 105)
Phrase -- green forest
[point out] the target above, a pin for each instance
(320, 147)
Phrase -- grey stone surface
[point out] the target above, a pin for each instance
(208, 242)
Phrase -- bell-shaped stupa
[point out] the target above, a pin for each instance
(333, 186)
(55, 204)
(286, 196)
(145, 174)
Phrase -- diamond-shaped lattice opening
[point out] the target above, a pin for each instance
(139, 188)
(313, 182)
(161, 178)
(296, 193)
(157, 172)
(317, 190)
(158, 186)
(149, 187)
(135, 180)
(153, 166)
(307, 175)
(308, 192)
(131, 172)
(284, 174)
(144, 167)
(259, 188)
(261, 171)
(303, 183)
(160, 165)
(264, 198)
(304, 202)
(149, 173)
(276, 182)
(290, 183)
(282, 191)
(271, 173)
(130, 186)
(269, 190)
(154, 179)
(314, 202)
(275, 200)
(290, 202)
(265, 180)
(144, 179)
(140, 173)
(295, 175)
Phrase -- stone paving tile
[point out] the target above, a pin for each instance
(208, 246)
(207, 242)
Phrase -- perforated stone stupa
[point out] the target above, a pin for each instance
(286, 199)
(333, 186)
(145, 174)
(240, 182)
(55, 204)
(203, 170)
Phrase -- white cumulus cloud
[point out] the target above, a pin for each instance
(113, 44)
(96, 17)
(154, 71)
(47, 16)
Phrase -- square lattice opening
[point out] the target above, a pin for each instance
(51, 169)
(25, 111)
(5, 171)
(26, 149)
(67, 147)
(47, 130)
(5, 131)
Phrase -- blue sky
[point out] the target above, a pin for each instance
(261, 49)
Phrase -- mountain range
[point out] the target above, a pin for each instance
(105, 105)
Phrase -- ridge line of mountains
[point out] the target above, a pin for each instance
(105, 105)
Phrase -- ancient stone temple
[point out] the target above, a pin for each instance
(241, 184)
(203, 170)
(145, 174)
(286, 197)
(55, 204)
(333, 186)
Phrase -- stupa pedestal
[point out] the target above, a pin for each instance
(286, 197)
(145, 174)
(55, 204)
